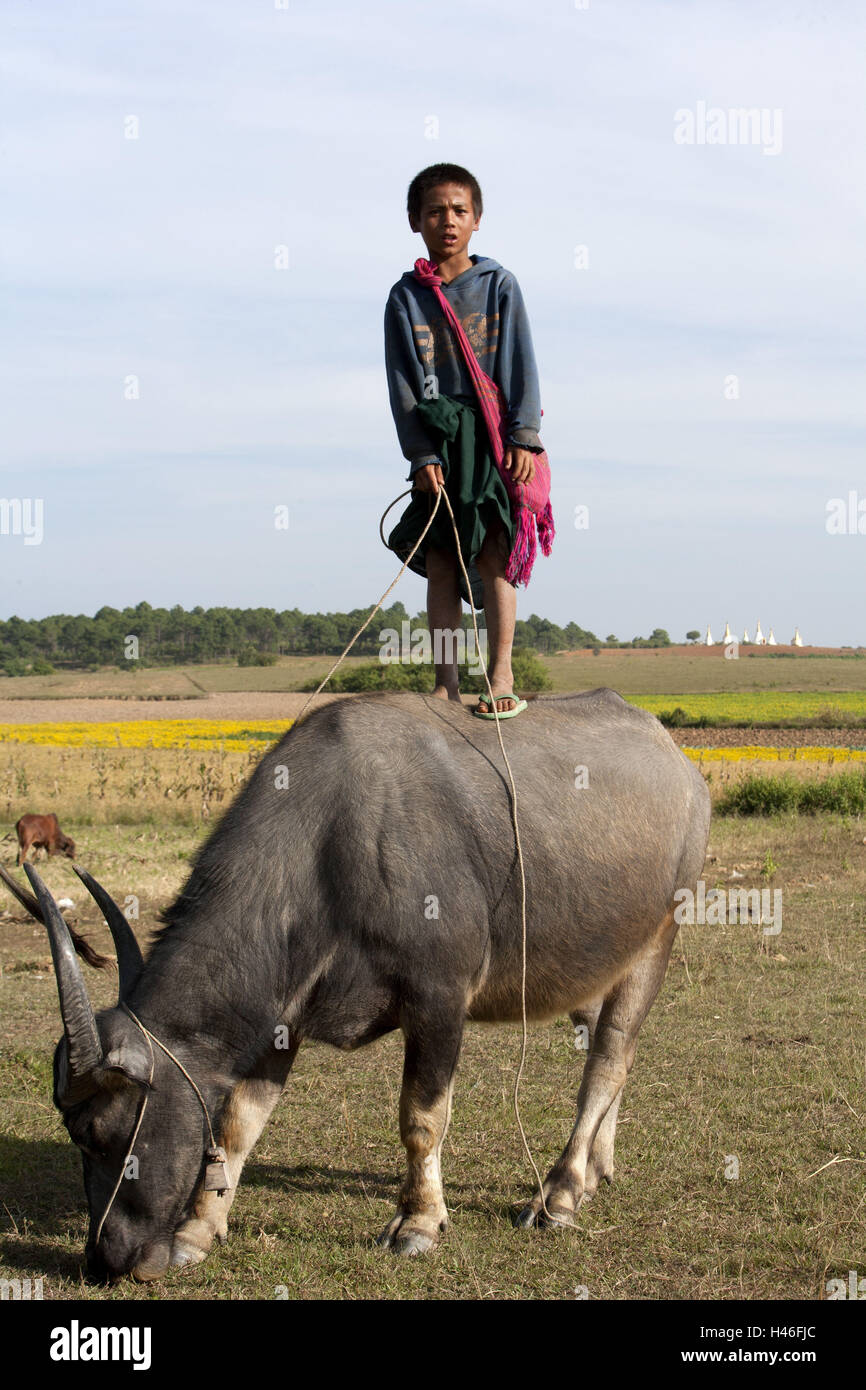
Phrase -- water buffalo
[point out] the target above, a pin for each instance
(365, 880)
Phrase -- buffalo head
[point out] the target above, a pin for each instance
(110, 1080)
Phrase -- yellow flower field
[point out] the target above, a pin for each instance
(245, 736)
(757, 753)
(208, 735)
(756, 704)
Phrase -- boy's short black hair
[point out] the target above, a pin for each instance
(441, 173)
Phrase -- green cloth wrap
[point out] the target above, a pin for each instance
(475, 490)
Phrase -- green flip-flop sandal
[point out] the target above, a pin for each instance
(520, 706)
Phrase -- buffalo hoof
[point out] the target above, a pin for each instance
(593, 1184)
(407, 1235)
(555, 1219)
(153, 1264)
(184, 1254)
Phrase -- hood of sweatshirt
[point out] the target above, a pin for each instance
(481, 266)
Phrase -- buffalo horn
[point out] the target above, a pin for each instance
(129, 961)
(79, 1023)
(81, 944)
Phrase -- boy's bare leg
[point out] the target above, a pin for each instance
(444, 612)
(444, 605)
(500, 609)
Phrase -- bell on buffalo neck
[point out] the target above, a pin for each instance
(216, 1174)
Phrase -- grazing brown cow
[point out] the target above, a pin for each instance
(42, 832)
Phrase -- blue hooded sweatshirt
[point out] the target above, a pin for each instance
(420, 347)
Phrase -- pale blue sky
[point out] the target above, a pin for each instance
(261, 126)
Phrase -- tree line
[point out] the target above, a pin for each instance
(146, 636)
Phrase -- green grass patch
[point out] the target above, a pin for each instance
(754, 795)
(530, 674)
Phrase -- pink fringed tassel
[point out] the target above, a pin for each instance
(546, 529)
(522, 557)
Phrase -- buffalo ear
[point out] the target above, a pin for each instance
(127, 1055)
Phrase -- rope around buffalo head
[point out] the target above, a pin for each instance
(150, 1038)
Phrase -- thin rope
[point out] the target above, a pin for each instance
(151, 1039)
(440, 493)
(141, 1109)
(367, 622)
(496, 712)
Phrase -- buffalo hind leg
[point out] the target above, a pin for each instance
(588, 1156)
(599, 1169)
(244, 1116)
(600, 1166)
(425, 1110)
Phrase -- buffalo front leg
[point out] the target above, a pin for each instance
(244, 1116)
(588, 1156)
(425, 1110)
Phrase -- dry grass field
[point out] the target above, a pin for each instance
(172, 683)
(631, 671)
(160, 787)
(754, 1050)
(658, 670)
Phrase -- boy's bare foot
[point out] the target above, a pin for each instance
(503, 688)
(447, 692)
(503, 703)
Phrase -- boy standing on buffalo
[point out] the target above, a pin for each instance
(441, 428)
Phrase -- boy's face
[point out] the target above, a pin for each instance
(447, 221)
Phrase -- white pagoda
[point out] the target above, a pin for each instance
(708, 640)
(796, 640)
(728, 637)
(771, 640)
(760, 639)
(747, 641)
